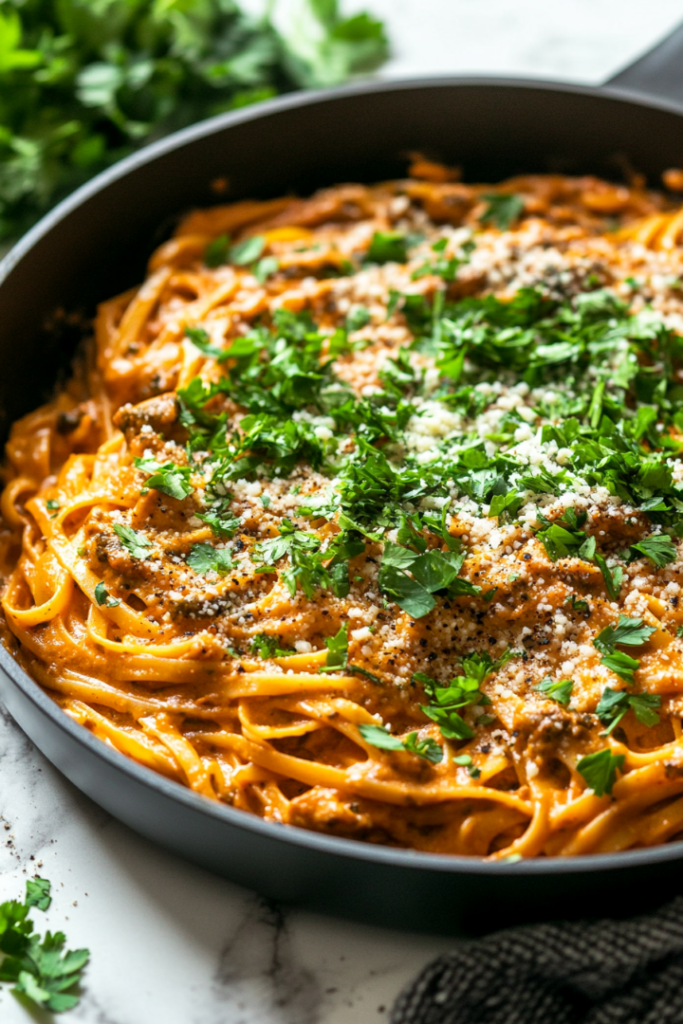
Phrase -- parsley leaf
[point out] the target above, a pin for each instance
(506, 506)
(621, 664)
(310, 567)
(223, 523)
(445, 267)
(269, 646)
(358, 316)
(205, 558)
(40, 969)
(85, 83)
(216, 252)
(337, 650)
(659, 548)
(563, 538)
(380, 737)
(387, 247)
(247, 251)
(630, 632)
(599, 770)
(200, 339)
(579, 604)
(461, 692)
(427, 748)
(432, 571)
(558, 690)
(136, 543)
(612, 577)
(502, 210)
(465, 761)
(364, 672)
(614, 704)
(103, 598)
(38, 893)
(169, 479)
(265, 267)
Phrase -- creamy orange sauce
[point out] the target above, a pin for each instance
(162, 655)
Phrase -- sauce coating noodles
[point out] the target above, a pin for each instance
(361, 514)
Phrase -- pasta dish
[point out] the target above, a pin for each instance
(363, 514)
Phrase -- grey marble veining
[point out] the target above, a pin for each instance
(171, 943)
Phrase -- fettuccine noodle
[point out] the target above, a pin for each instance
(320, 531)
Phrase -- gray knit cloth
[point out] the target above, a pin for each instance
(597, 972)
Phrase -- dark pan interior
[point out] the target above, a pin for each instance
(97, 243)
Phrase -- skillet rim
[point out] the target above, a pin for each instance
(118, 762)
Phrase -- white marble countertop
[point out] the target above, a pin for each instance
(171, 943)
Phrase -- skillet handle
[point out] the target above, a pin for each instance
(658, 74)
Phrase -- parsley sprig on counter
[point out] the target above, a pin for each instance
(40, 969)
(84, 82)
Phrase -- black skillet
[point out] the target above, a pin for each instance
(96, 243)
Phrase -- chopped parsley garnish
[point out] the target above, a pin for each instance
(52, 505)
(613, 578)
(41, 970)
(103, 597)
(465, 761)
(462, 691)
(502, 209)
(269, 647)
(579, 604)
(445, 267)
(222, 522)
(310, 566)
(659, 548)
(337, 650)
(614, 704)
(357, 670)
(599, 770)
(265, 267)
(621, 664)
(357, 318)
(559, 690)
(380, 737)
(564, 538)
(200, 339)
(629, 633)
(216, 252)
(427, 748)
(205, 558)
(430, 572)
(247, 251)
(135, 543)
(387, 247)
(169, 479)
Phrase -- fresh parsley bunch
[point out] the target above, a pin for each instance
(39, 968)
(85, 82)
